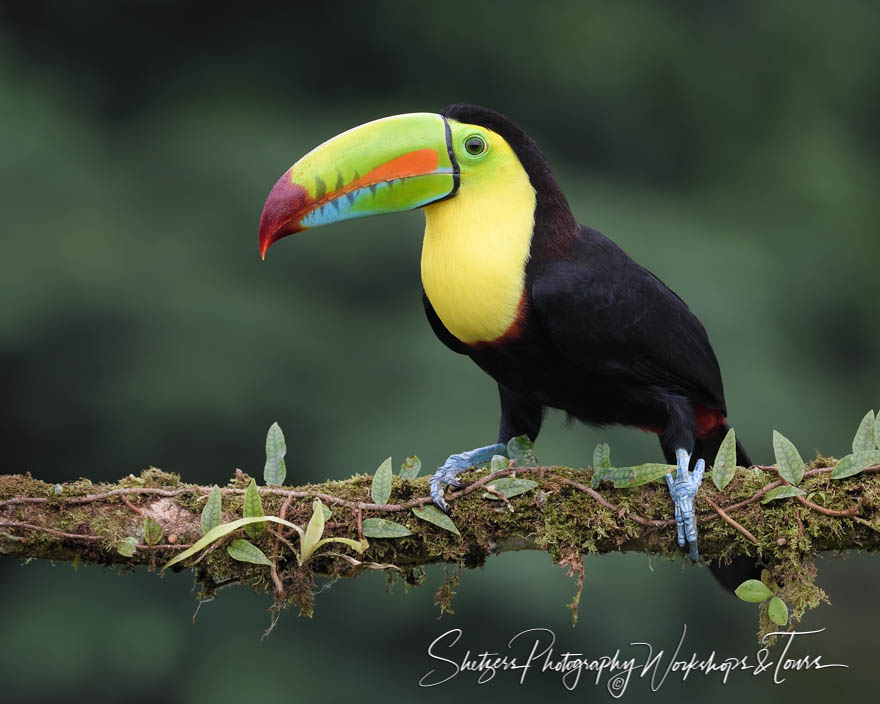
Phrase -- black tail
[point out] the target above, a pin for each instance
(740, 568)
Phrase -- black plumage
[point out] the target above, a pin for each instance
(598, 335)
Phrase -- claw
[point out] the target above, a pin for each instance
(454, 465)
(683, 490)
(437, 494)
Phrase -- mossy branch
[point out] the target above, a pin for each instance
(115, 524)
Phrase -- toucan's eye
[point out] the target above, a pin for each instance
(475, 145)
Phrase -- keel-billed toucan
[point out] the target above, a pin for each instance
(552, 310)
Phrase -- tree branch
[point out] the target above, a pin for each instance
(563, 515)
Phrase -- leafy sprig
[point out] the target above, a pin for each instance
(757, 591)
(253, 520)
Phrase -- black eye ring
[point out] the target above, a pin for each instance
(475, 145)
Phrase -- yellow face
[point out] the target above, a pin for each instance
(482, 155)
(477, 243)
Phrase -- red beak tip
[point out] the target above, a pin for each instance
(285, 203)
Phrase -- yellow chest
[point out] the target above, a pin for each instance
(474, 256)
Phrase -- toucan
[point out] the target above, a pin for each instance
(555, 312)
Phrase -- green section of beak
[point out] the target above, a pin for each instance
(393, 164)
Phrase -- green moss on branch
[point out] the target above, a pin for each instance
(562, 515)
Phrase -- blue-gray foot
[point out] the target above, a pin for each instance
(683, 489)
(455, 464)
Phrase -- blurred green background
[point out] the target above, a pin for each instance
(732, 148)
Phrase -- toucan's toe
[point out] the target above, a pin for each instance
(447, 473)
(683, 489)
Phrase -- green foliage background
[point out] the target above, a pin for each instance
(731, 148)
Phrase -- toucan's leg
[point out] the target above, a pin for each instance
(457, 463)
(520, 415)
(683, 489)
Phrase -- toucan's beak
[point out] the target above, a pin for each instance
(393, 164)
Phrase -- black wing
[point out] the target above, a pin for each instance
(610, 316)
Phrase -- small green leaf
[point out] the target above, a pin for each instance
(610, 474)
(777, 611)
(644, 473)
(498, 463)
(855, 463)
(212, 513)
(632, 476)
(381, 489)
(314, 531)
(864, 440)
(253, 508)
(788, 459)
(510, 487)
(767, 580)
(432, 514)
(816, 494)
(411, 467)
(782, 492)
(753, 590)
(276, 448)
(521, 449)
(725, 461)
(602, 456)
(225, 529)
(353, 544)
(383, 528)
(243, 551)
(152, 531)
(327, 512)
(126, 547)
